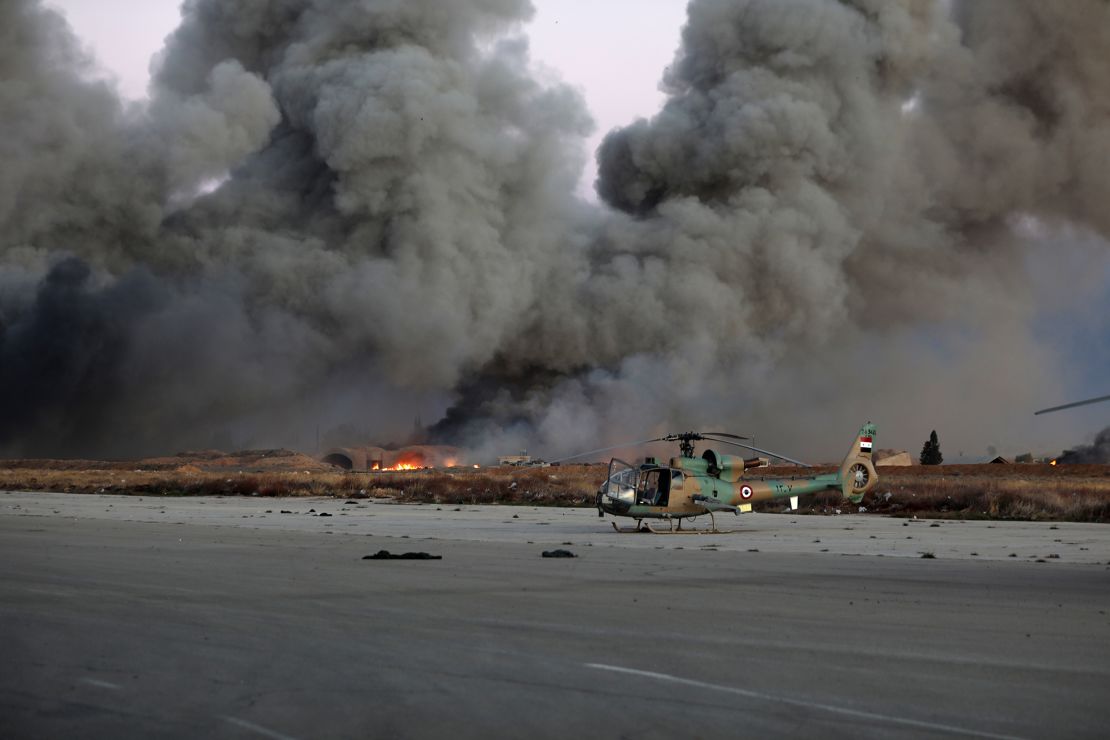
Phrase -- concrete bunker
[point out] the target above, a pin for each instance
(340, 460)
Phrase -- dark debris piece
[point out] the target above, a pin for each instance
(387, 555)
(558, 554)
(324, 513)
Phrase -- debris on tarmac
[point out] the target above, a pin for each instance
(387, 555)
(558, 554)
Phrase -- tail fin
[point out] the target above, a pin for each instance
(857, 474)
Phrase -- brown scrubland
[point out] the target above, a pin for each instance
(1027, 492)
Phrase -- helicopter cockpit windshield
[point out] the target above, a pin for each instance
(620, 486)
(628, 486)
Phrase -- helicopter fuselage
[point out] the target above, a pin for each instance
(693, 486)
(685, 488)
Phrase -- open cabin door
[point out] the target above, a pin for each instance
(619, 489)
(654, 487)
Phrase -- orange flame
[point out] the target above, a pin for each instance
(408, 461)
(414, 459)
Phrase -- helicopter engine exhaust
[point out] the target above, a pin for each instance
(731, 467)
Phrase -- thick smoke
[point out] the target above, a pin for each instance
(1096, 453)
(830, 219)
(397, 185)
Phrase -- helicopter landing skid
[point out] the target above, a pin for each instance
(640, 528)
(643, 527)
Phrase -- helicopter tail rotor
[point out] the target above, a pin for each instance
(857, 473)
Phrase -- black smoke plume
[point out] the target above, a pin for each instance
(1096, 453)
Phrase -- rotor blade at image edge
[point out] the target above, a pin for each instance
(724, 434)
(606, 449)
(1100, 399)
(765, 452)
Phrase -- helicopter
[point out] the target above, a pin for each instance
(692, 486)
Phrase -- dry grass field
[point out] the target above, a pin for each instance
(1028, 492)
(286, 473)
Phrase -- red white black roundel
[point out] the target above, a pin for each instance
(746, 491)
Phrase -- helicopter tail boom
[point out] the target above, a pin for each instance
(857, 473)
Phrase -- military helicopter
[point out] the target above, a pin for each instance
(695, 486)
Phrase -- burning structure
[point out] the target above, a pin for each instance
(413, 457)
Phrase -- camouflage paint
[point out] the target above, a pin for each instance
(706, 487)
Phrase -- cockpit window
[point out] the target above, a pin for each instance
(621, 483)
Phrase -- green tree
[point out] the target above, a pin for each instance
(930, 453)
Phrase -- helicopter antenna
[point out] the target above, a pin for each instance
(765, 452)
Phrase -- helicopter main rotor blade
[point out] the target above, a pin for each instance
(1100, 399)
(606, 449)
(765, 452)
(694, 436)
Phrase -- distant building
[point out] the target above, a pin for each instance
(888, 458)
(1000, 461)
(522, 459)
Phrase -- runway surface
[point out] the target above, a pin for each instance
(123, 616)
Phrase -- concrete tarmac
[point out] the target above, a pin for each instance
(223, 617)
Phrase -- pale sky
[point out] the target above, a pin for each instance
(613, 51)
